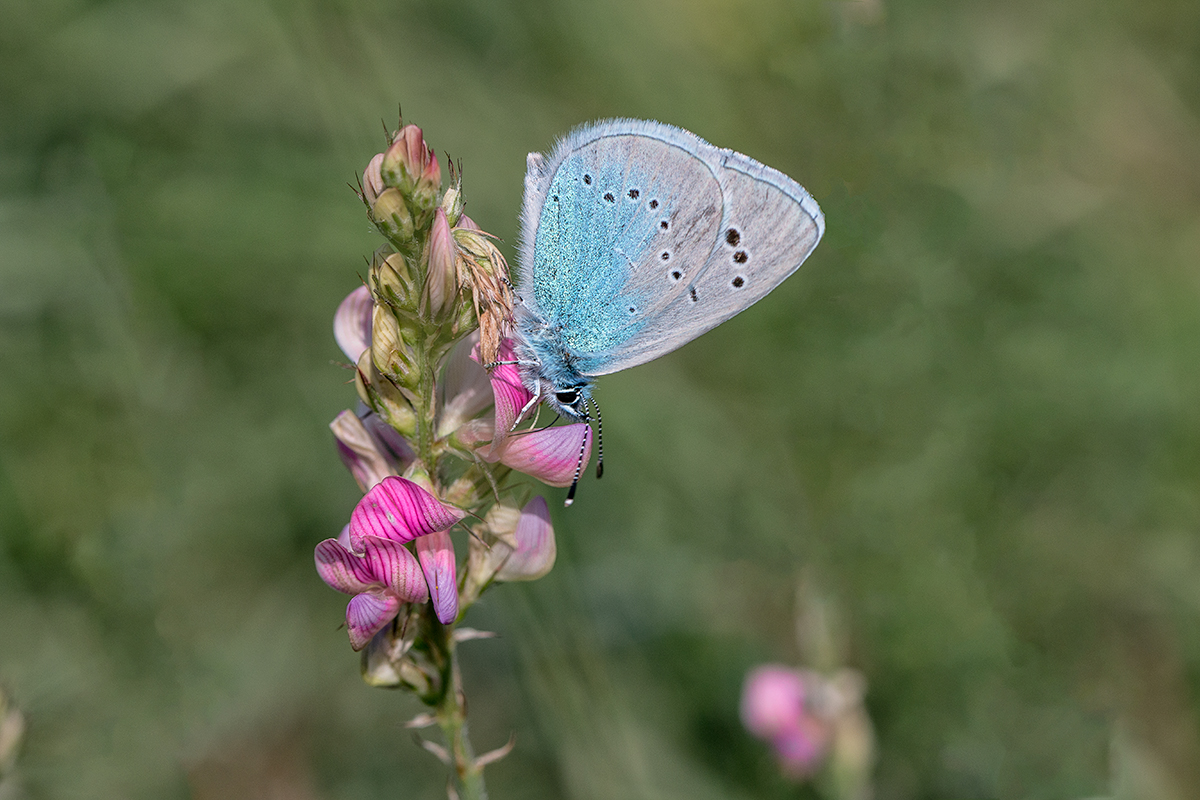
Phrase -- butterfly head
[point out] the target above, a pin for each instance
(570, 401)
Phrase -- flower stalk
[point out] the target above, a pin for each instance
(435, 307)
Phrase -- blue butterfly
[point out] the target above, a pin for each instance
(637, 237)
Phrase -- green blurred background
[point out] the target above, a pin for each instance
(972, 420)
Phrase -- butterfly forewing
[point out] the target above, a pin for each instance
(769, 226)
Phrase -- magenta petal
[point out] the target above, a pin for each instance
(536, 549)
(436, 553)
(391, 564)
(510, 393)
(552, 455)
(352, 323)
(367, 614)
(511, 398)
(398, 509)
(341, 569)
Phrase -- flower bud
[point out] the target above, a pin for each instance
(388, 349)
(384, 397)
(452, 204)
(392, 217)
(410, 166)
(391, 277)
(372, 180)
(441, 282)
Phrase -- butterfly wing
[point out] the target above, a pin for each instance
(638, 237)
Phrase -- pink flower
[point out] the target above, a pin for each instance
(381, 579)
(553, 455)
(398, 510)
(774, 709)
(352, 323)
(536, 550)
(370, 448)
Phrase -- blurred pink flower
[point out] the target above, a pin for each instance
(381, 579)
(774, 709)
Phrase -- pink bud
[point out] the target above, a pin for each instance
(372, 179)
(410, 166)
(441, 282)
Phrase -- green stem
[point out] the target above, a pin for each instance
(426, 389)
(465, 773)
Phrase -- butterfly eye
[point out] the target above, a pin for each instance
(568, 397)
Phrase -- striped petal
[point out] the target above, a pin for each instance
(509, 392)
(368, 613)
(552, 455)
(390, 564)
(343, 570)
(436, 553)
(400, 510)
(536, 549)
(352, 323)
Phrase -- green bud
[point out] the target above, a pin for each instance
(387, 343)
(391, 216)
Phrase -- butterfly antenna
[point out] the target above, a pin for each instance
(578, 469)
(599, 438)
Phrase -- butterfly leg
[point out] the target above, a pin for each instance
(533, 401)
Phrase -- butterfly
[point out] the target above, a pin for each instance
(637, 237)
